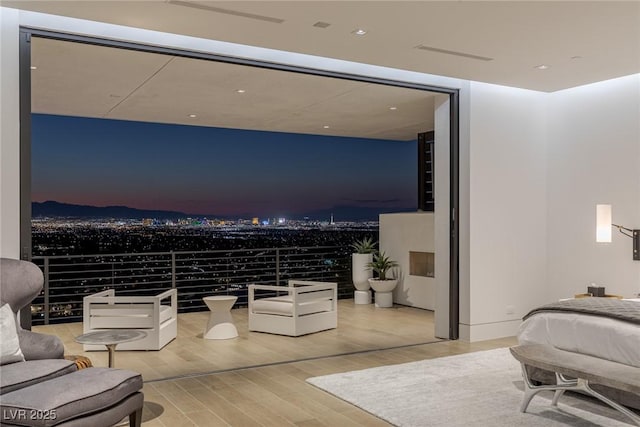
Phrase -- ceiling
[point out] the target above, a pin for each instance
(78, 79)
(497, 42)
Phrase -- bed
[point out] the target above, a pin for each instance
(600, 327)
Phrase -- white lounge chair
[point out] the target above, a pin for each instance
(303, 308)
(104, 310)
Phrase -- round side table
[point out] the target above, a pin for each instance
(220, 325)
(111, 338)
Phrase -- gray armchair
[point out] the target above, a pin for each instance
(45, 384)
(20, 283)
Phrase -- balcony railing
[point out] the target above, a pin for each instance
(67, 279)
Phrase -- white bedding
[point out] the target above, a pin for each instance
(602, 337)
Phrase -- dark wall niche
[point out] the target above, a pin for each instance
(421, 264)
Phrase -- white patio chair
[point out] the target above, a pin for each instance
(105, 310)
(305, 307)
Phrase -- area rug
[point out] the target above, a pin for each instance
(474, 389)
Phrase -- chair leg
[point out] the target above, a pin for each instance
(135, 418)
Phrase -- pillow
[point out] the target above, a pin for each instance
(9, 345)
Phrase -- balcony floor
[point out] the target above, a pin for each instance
(360, 328)
(200, 382)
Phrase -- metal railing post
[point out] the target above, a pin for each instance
(277, 266)
(46, 290)
(173, 270)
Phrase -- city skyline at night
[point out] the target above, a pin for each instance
(217, 171)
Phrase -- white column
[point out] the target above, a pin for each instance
(9, 135)
(441, 214)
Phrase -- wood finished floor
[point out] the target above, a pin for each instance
(360, 327)
(274, 395)
(278, 395)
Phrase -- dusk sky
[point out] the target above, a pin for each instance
(216, 171)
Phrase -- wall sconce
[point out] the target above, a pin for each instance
(603, 229)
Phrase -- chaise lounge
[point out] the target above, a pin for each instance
(40, 388)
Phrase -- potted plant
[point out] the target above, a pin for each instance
(383, 284)
(363, 254)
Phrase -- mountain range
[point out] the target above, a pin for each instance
(53, 209)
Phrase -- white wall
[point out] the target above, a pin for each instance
(538, 165)
(507, 241)
(593, 157)
(401, 233)
(9, 136)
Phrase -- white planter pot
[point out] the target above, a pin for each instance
(383, 285)
(360, 272)
(384, 291)
(362, 297)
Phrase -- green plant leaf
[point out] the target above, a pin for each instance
(381, 264)
(366, 245)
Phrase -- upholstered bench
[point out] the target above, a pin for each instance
(578, 372)
(96, 397)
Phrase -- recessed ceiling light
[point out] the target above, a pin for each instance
(33, 67)
(326, 126)
(193, 116)
(241, 91)
(359, 32)
(393, 108)
(541, 67)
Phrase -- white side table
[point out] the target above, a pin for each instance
(220, 325)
